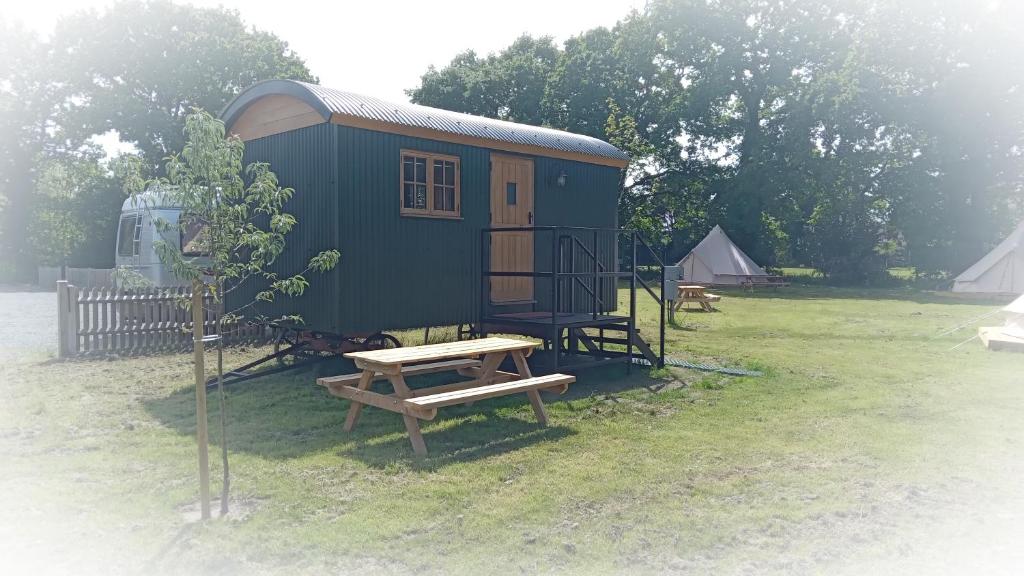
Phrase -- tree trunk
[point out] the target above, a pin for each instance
(202, 434)
(743, 211)
(226, 480)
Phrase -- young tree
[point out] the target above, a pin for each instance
(233, 228)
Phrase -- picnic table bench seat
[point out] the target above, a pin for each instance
(554, 382)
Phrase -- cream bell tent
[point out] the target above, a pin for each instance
(1001, 271)
(1015, 321)
(716, 260)
(1010, 336)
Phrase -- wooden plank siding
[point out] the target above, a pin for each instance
(274, 114)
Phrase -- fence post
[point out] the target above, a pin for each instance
(71, 344)
(62, 318)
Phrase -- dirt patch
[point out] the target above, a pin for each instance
(28, 323)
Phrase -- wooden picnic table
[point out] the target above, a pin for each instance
(688, 293)
(476, 359)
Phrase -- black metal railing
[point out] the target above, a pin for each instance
(602, 267)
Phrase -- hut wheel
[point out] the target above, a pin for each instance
(381, 340)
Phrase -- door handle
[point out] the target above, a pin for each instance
(529, 217)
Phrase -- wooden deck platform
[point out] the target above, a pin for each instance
(564, 319)
(994, 338)
(575, 348)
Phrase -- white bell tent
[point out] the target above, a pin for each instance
(1001, 271)
(716, 260)
(1009, 336)
(1015, 319)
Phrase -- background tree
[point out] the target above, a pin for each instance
(135, 67)
(958, 82)
(76, 207)
(25, 106)
(782, 120)
(233, 226)
(144, 83)
(55, 232)
(509, 85)
(815, 133)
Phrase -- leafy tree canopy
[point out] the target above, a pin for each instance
(136, 67)
(141, 67)
(818, 133)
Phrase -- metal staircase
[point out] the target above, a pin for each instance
(577, 310)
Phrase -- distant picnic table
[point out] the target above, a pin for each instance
(477, 359)
(692, 293)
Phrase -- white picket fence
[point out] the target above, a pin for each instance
(139, 321)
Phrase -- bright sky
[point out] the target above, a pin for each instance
(381, 47)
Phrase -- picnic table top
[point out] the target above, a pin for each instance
(690, 287)
(462, 349)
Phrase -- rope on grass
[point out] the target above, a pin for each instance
(703, 367)
(969, 322)
(972, 338)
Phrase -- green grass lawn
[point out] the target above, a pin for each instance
(867, 443)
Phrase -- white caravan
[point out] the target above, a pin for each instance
(137, 234)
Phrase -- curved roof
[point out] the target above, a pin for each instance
(351, 109)
(153, 198)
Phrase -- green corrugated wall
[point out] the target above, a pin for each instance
(398, 271)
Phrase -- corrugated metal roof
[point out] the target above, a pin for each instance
(329, 101)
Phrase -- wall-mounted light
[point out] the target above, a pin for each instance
(562, 179)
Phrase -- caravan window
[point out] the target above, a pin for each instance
(127, 236)
(193, 238)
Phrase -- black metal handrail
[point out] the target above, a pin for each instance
(597, 300)
(549, 228)
(660, 300)
(559, 274)
(578, 278)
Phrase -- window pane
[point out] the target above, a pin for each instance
(407, 172)
(126, 237)
(438, 172)
(421, 195)
(444, 198)
(439, 198)
(449, 173)
(409, 196)
(193, 237)
(421, 170)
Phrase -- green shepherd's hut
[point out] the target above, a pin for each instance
(441, 218)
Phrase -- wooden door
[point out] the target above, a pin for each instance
(511, 207)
